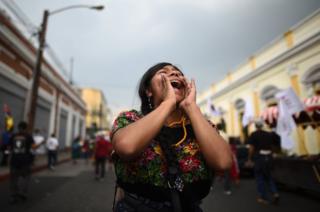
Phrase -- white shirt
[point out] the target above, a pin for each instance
(52, 144)
(39, 140)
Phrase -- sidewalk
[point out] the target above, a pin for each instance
(39, 164)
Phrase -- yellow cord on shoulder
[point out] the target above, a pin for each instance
(176, 122)
(183, 121)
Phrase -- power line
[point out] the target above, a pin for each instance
(33, 30)
(21, 16)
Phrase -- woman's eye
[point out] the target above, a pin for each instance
(178, 74)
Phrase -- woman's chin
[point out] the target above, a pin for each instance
(179, 94)
(179, 98)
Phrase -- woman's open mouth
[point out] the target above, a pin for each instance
(176, 84)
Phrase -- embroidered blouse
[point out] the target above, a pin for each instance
(150, 167)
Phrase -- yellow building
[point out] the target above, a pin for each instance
(291, 60)
(98, 113)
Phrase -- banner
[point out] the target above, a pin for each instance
(291, 101)
(288, 104)
(285, 126)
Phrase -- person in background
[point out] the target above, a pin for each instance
(227, 173)
(20, 146)
(165, 154)
(235, 170)
(52, 148)
(85, 150)
(102, 151)
(261, 144)
(4, 145)
(40, 143)
(110, 152)
(76, 150)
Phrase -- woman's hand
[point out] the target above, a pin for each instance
(190, 94)
(168, 94)
(213, 147)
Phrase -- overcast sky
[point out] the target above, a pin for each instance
(205, 38)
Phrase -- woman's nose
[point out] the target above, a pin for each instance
(173, 74)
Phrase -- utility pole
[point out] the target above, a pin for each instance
(32, 105)
(37, 73)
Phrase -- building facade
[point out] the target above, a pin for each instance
(290, 61)
(60, 109)
(98, 113)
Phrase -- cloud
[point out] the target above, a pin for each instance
(206, 38)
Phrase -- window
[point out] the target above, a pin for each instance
(268, 95)
(311, 80)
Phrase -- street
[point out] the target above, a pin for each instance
(72, 188)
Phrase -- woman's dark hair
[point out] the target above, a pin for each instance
(145, 84)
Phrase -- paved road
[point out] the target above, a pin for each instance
(72, 188)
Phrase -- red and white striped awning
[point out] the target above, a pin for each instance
(270, 114)
(312, 103)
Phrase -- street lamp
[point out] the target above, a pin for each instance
(37, 70)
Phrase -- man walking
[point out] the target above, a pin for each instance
(52, 147)
(39, 141)
(20, 146)
(103, 149)
(261, 144)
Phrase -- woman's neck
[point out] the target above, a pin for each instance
(175, 116)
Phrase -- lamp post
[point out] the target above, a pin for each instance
(37, 70)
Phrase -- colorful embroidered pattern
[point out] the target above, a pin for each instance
(150, 167)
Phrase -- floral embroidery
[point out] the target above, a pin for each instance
(191, 148)
(188, 164)
(124, 119)
(191, 161)
(147, 156)
(158, 150)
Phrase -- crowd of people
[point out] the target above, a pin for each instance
(20, 150)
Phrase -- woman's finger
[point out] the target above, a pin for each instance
(166, 81)
(193, 84)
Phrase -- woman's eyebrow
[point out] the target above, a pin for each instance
(166, 69)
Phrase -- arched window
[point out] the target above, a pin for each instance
(239, 104)
(270, 112)
(268, 95)
(311, 80)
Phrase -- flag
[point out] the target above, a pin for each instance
(248, 114)
(291, 101)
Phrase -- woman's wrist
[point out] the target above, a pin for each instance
(190, 108)
(170, 104)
